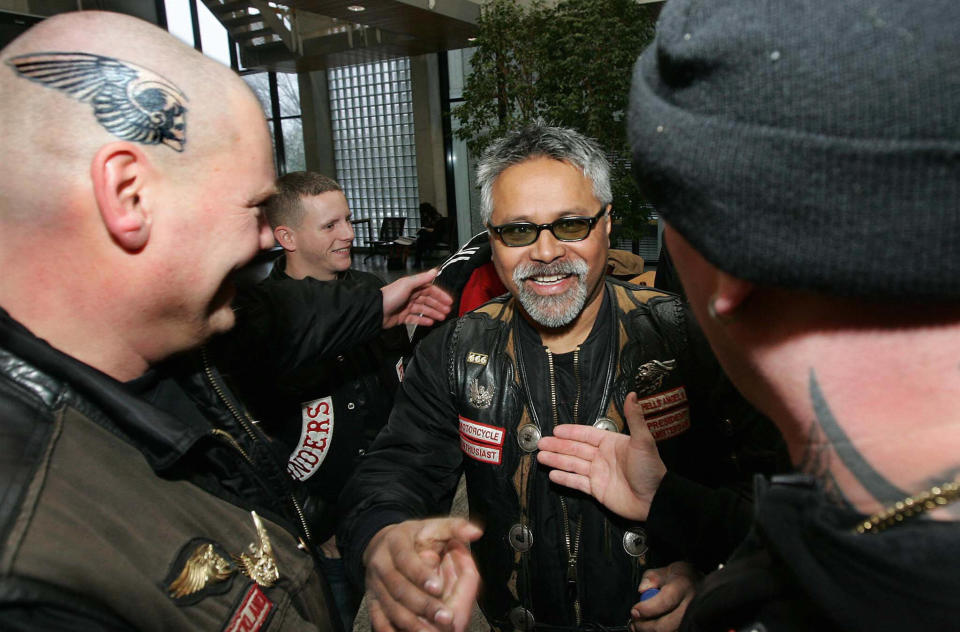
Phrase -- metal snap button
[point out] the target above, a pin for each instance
(522, 619)
(527, 437)
(520, 537)
(605, 423)
(635, 542)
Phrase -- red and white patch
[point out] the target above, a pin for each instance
(315, 438)
(480, 452)
(662, 401)
(252, 613)
(477, 431)
(399, 368)
(669, 425)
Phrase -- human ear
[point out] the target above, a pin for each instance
(119, 172)
(731, 293)
(285, 237)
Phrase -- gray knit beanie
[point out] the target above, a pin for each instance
(808, 144)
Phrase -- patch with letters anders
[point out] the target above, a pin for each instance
(252, 612)
(315, 437)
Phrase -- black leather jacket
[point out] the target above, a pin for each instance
(319, 377)
(465, 407)
(107, 487)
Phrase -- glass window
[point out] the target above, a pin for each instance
(260, 84)
(178, 20)
(289, 90)
(213, 35)
(374, 149)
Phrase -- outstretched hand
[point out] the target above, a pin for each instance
(414, 300)
(622, 472)
(421, 577)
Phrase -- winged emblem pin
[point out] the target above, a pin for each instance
(650, 375)
(259, 564)
(203, 566)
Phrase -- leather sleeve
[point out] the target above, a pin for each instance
(413, 467)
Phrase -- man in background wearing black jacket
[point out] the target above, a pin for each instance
(311, 358)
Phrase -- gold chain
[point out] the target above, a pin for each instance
(936, 496)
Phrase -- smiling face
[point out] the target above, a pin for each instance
(320, 246)
(554, 281)
(209, 224)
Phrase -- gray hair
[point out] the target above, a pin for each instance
(539, 139)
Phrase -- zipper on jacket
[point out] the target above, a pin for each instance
(247, 424)
(572, 543)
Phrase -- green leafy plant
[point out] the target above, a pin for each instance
(568, 63)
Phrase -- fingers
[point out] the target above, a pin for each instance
(652, 578)
(378, 619)
(461, 584)
(584, 434)
(573, 481)
(636, 422)
(405, 583)
(427, 306)
(677, 584)
(421, 278)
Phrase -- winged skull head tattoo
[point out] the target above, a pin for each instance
(130, 102)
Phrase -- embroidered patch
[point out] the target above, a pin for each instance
(252, 613)
(669, 425)
(471, 429)
(202, 568)
(399, 368)
(477, 358)
(482, 453)
(315, 437)
(662, 401)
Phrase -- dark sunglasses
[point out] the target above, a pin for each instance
(516, 234)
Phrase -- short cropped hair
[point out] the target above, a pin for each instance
(285, 207)
(539, 139)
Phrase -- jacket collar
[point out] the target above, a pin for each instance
(54, 376)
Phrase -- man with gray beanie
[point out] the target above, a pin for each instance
(806, 159)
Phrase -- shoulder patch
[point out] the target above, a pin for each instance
(252, 613)
(201, 568)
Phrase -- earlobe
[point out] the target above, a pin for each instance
(118, 172)
(730, 295)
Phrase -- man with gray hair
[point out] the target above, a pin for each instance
(566, 345)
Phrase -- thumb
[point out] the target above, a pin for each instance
(420, 279)
(635, 419)
(396, 294)
(651, 579)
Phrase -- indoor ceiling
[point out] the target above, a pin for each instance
(317, 34)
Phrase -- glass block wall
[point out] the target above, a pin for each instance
(371, 107)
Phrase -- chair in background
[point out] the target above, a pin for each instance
(391, 229)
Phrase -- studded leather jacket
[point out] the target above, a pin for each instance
(123, 506)
(472, 404)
